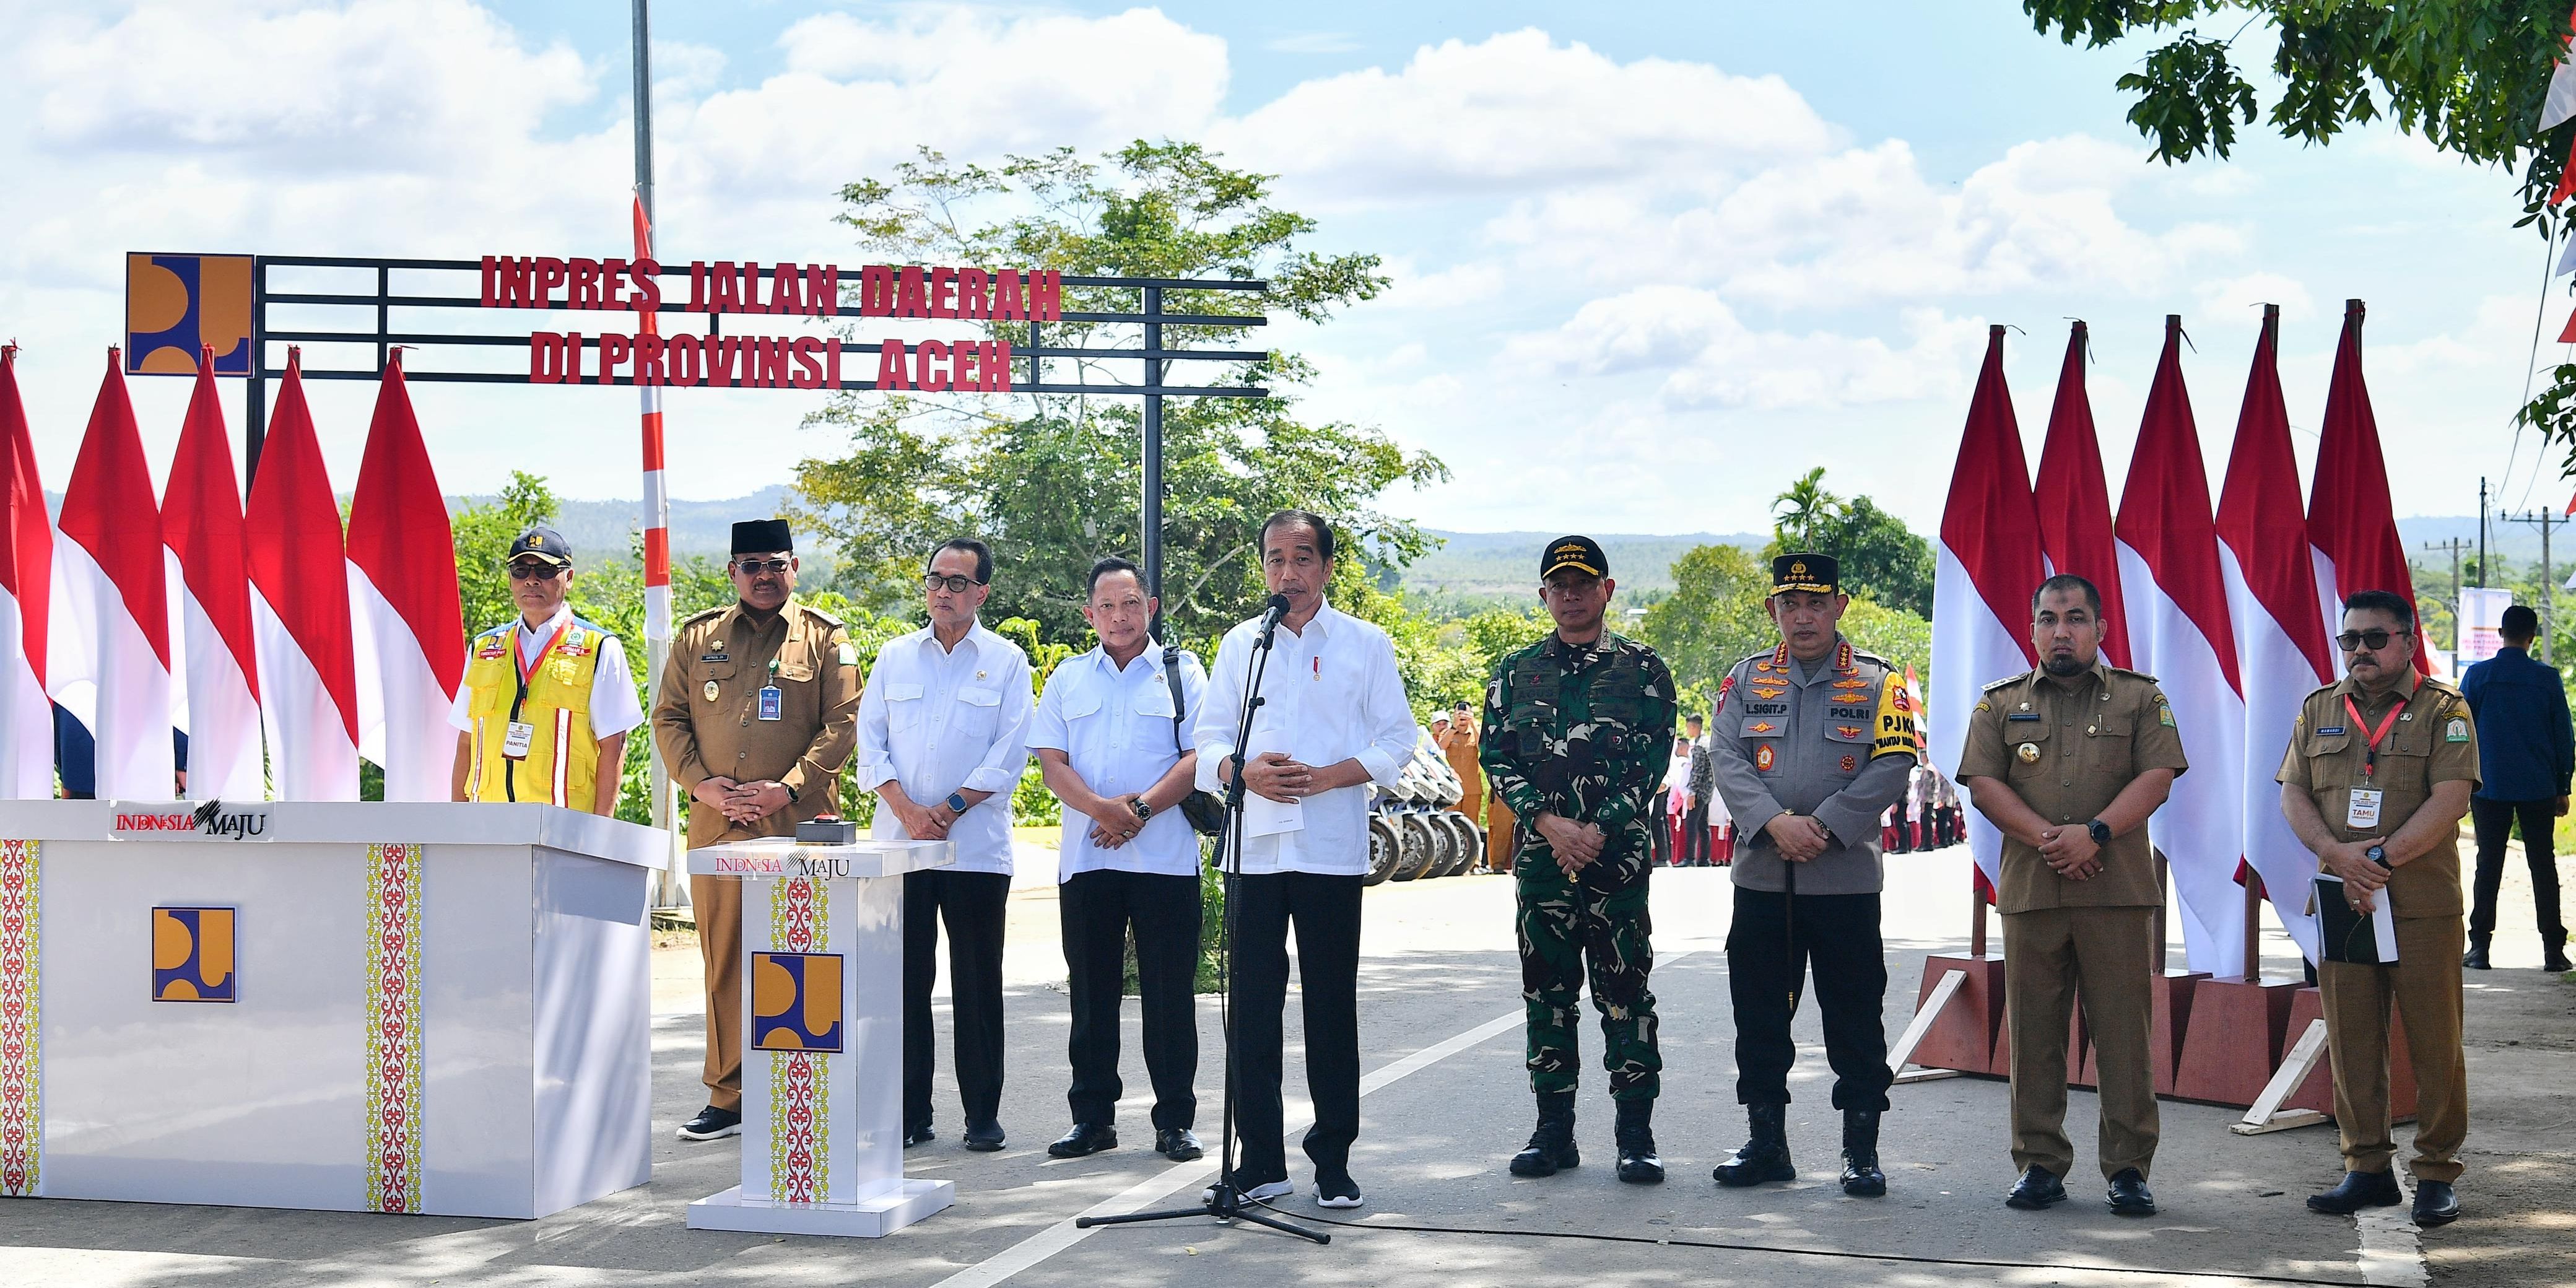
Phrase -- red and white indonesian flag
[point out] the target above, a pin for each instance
(109, 661)
(2075, 503)
(409, 628)
(2352, 526)
(2281, 651)
(300, 608)
(201, 524)
(1987, 566)
(26, 592)
(2180, 631)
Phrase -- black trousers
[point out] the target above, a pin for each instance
(2494, 821)
(1695, 836)
(1769, 952)
(970, 905)
(1097, 909)
(1325, 911)
(1660, 853)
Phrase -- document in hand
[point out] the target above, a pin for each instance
(2367, 938)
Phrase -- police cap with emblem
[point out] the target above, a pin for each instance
(1805, 573)
(761, 537)
(540, 543)
(1582, 553)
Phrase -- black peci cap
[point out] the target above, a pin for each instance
(1815, 574)
(1573, 552)
(541, 543)
(761, 536)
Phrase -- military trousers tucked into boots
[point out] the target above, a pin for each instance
(2108, 954)
(1565, 928)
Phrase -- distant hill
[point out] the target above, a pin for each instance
(1481, 564)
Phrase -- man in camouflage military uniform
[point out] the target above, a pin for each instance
(1814, 740)
(1578, 729)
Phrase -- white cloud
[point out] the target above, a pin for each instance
(2232, 295)
(1707, 357)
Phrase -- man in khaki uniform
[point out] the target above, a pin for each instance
(757, 714)
(2379, 770)
(2068, 760)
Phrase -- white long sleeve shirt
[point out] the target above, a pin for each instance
(1331, 694)
(1116, 728)
(938, 721)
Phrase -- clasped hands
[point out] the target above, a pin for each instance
(1798, 837)
(741, 803)
(1575, 845)
(1114, 822)
(2362, 878)
(2069, 851)
(1273, 776)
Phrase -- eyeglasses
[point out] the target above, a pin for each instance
(533, 570)
(755, 567)
(954, 584)
(2354, 640)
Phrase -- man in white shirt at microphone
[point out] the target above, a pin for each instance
(1333, 719)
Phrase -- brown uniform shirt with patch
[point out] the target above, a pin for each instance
(707, 717)
(2433, 740)
(2068, 752)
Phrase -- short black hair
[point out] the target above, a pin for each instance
(1323, 529)
(1693, 718)
(2383, 601)
(1109, 565)
(2520, 624)
(983, 556)
(2069, 581)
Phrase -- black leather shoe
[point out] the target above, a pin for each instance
(1551, 1147)
(1638, 1162)
(2555, 960)
(2476, 957)
(2356, 1191)
(712, 1124)
(1178, 1144)
(2435, 1204)
(2129, 1196)
(1765, 1157)
(1083, 1141)
(986, 1138)
(1861, 1177)
(921, 1135)
(2037, 1188)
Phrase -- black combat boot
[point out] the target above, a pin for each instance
(1551, 1147)
(2476, 957)
(1861, 1177)
(1766, 1156)
(2553, 956)
(1638, 1164)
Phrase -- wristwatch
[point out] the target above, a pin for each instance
(2378, 854)
(1144, 812)
(2099, 831)
(956, 802)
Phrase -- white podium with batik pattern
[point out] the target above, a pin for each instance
(427, 1008)
(822, 1042)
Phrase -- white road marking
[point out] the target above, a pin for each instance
(1183, 1176)
(2390, 1251)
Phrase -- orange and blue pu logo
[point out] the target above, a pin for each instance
(796, 1001)
(174, 303)
(193, 955)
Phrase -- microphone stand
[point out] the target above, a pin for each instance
(1223, 1201)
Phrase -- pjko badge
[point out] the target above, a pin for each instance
(796, 1001)
(193, 955)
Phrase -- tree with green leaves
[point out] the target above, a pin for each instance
(1800, 513)
(2470, 78)
(1054, 481)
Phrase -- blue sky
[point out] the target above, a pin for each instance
(1651, 261)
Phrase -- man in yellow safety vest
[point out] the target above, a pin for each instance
(548, 699)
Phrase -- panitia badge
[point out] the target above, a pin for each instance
(1764, 757)
(2029, 753)
(711, 690)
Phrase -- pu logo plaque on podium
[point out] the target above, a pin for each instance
(193, 955)
(796, 1001)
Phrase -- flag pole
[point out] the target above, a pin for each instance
(657, 501)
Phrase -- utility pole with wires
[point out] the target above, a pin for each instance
(2455, 545)
(2546, 522)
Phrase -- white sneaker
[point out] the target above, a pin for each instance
(1265, 1190)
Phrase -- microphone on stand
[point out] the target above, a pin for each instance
(1270, 619)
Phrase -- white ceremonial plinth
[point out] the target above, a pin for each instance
(822, 1045)
(425, 1008)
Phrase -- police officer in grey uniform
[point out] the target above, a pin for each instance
(1812, 742)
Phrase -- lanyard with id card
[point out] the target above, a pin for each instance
(2362, 808)
(517, 738)
(772, 702)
